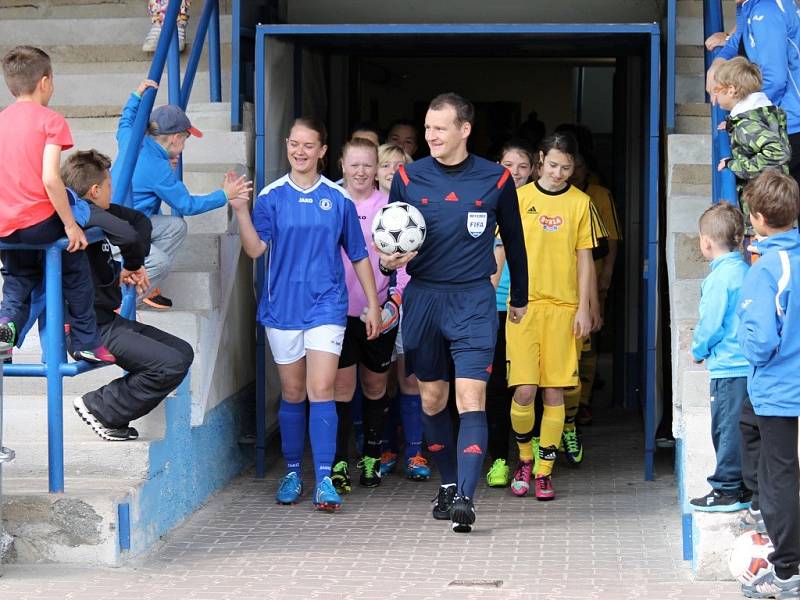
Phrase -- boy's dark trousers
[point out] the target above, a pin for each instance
(779, 491)
(23, 270)
(751, 450)
(727, 396)
(156, 362)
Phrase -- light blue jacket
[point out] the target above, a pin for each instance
(154, 181)
(770, 32)
(714, 339)
(769, 326)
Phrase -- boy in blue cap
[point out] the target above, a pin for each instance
(769, 336)
(155, 181)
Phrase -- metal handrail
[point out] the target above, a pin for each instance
(55, 365)
(723, 183)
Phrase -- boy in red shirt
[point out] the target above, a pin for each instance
(34, 208)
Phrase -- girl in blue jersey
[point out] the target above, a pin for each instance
(305, 220)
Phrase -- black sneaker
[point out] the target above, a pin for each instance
(340, 476)
(8, 335)
(122, 434)
(157, 300)
(443, 502)
(370, 471)
(462, 514)
(716, 501)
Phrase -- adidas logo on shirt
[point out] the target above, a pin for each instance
(532, 211)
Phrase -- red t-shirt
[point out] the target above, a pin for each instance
(25, 129)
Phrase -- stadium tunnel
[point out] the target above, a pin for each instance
(604, 76)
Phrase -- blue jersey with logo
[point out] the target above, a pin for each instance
(305, 230)
(462, 211)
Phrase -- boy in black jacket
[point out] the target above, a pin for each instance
(156, 362)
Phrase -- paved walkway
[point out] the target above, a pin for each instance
(609, 535)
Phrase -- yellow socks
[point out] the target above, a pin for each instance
(522, 419)
(572, 400)
(552, 426)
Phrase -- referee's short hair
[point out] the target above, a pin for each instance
(465, 111)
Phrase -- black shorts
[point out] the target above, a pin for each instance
(375, 355)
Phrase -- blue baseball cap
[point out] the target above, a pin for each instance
(171, 119)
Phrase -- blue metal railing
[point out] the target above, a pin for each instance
(723, 183)
(55, 365)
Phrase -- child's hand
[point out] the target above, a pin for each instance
(138, 279)
(721, 126)
(147, 83)
(76, 238)
(723, 163)
(715, 40)
(173, 161)
(237, 187)
(582, 326)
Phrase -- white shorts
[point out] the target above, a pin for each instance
(290, 345)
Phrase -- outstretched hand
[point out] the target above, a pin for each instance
(237, 189)
(138, 279)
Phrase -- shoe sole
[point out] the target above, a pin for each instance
(92, 422)
(370, 484)
(442, 516)
(546, 498)
(292, 503)
(156, 306)
(726, 508)
(327, 507)
(497, 485)
(519, 493)
(462, 520)
(413, 477)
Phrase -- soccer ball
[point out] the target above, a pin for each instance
(398, 227)
(748, 558)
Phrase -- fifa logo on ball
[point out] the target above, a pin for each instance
(398, 227)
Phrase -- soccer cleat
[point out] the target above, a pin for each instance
(290, 489)
(443, 502)
(157, 301)
(151, 39)
(573, 448)
(498, 474)
(521, 482)
(388, 462)
(417, 468)
(535, 449)
(769, 585)
(370, 471)
(543, 488)
(340, 475)
(716, 501)
(99, 355)
(8, 335)
(584, 416)
(462, 514)
(752, 519)
(325, 496)
(112, 434)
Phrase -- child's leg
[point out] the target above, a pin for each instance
(727, 397)
(76, 279)
(167, 237)
(156, 363)
(779, 490)
(751, 450)
(157, 9)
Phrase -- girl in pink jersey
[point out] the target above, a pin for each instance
(369, 359)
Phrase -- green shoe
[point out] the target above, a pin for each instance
(498, 474)
(536, 458)
(573, 448)
(340, 476)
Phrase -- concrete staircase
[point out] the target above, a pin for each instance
(187, 447)
(688, 195)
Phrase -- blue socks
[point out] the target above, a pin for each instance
(411, 414)
(292, 422)
(472, 438)
(439, 435)
(322, 425)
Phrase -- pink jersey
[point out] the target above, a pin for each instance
(357, 301)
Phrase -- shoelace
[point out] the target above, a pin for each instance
(388, 457)
(523, 471)
(443, 495)
(417, 461)
(571, 442)
(288, 482)
(369, 465)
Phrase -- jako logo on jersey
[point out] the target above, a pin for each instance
(305, 200)
(476, 223)
(551, 223)
(325, 204)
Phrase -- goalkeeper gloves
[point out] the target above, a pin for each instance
(390, 312)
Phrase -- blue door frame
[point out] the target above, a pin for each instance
(452, 32)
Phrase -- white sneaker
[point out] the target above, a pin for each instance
(181, 36)
(151, 39)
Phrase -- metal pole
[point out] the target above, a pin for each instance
(214, 68)
(6, 455)
(55, 355)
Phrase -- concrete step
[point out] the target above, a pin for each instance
(193, 290)
(204, 115)
(691, 50)
(113, 88)
(690, 88)
(689, 149)
(82, 458)
(694, 8)
(217, 221)
(693, 109)
(231, 146)
(689, 65)
(79, 526)
(199, 252)
(25, 419)
(691, 174)
(59, 9)
(687, 124)
(689, 261)
(684, 212)
(104, 31)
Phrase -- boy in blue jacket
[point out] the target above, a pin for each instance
(714, 341)
(155, 181)
(769, 336)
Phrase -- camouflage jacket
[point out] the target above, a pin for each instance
(759, 141)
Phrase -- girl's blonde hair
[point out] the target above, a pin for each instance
(386, 151)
